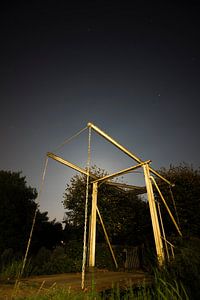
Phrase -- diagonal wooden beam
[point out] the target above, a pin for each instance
(125, 150)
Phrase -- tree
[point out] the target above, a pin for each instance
(187, 198)
(17, 208)
(48, 234)
(125, 215)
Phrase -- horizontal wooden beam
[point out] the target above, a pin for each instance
(127, 170)
(82, 171)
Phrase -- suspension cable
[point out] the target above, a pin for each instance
(175, 208)
(70, 138)
(86, 210)
(32, 227)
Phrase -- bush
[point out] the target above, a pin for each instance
(6, 257)
(42, 256)
(12, 270)
(56, 262)
(186, 266)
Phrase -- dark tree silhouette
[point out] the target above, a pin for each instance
(186, 194)
(17, 208)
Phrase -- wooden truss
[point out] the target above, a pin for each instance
(149, 181)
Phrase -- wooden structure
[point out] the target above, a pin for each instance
(149, 174)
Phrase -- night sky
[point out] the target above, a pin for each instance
(132, 70)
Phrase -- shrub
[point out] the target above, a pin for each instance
(186, 266)
(47, 262)
(6, 257)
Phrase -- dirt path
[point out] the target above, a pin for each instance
(102, 280)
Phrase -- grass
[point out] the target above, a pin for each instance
(164, 287)
(161, 290)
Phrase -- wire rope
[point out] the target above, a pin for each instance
(32, 227)
(70, 138)
(86, 211)
(175, 208)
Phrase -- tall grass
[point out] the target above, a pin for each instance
(160, 290)
(11, 271)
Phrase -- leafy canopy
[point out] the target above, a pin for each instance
(186, 194)
(125, 215)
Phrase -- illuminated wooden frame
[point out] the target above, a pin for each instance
(149, 189)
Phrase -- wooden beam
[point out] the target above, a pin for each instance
(154, 217)
(81, 170)
(92, 245)
(69, 164)
(127, 170)
(125, 150)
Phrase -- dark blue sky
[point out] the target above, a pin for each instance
(132, 70)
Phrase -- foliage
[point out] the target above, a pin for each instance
(187, 198)
(17, 208)
(103, 257)
(11, 271)
(186, 266)
(122, 212)
(46, 233)
(55, 262)
(6, 257)
(42, 257)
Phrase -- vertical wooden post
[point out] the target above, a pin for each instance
(92, 245)
(154, 217)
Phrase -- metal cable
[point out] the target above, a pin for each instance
(70, 138)
(86, 211)
(175, 208)
(32, 228)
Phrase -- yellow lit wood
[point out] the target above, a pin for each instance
(93, 176)
(125, 150)
(127, 170)
(163, 230)
(92, 244)
(69, 164)
(154, 217)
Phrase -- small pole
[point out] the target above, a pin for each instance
(92, 245)
(163, 230)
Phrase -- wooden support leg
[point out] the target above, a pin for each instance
(154, 217)
(92, 245)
